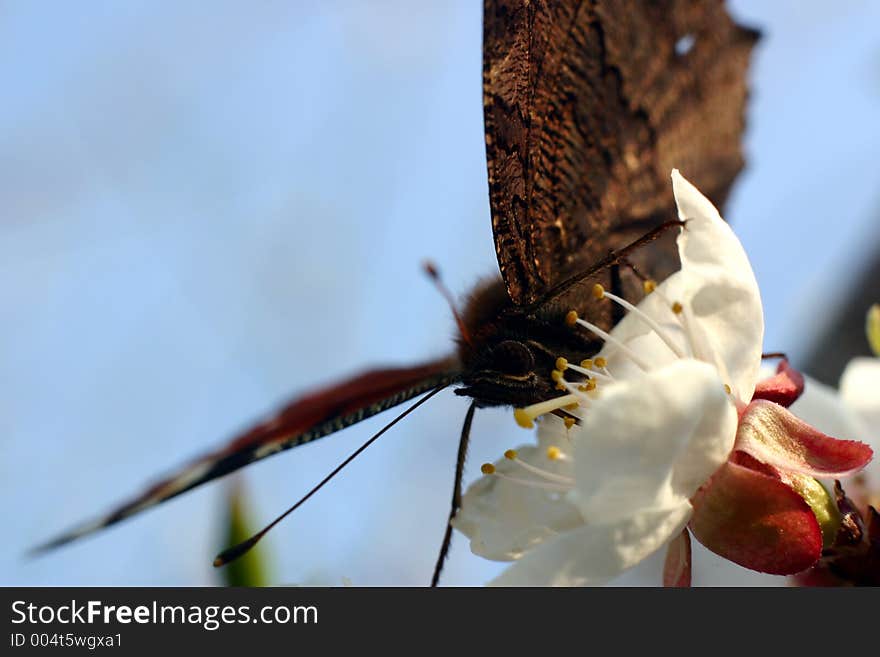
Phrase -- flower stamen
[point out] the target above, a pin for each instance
(576, 387)
(602, 364)
(591, 373)
(544, 474)
(600, 293)
(579, 389)
(610, 339)
(545, 485)
(678, 310)
(525, 416)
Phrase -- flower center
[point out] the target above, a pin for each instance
(592, 372)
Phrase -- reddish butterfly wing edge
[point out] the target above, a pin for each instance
(303, 420)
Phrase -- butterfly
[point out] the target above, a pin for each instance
(588, 105)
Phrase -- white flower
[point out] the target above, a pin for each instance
(860, 383)
(860, 390)
(594, 499)
(860, 393)
(856, 403)
(854, 407)
(667, 427)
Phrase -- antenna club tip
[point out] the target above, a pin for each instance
(219, 561)
(431, 269)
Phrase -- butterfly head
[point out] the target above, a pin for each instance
(511, 356)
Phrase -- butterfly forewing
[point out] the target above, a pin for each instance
(588, 106)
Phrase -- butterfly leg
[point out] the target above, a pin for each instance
(456, 492)
(617, 311)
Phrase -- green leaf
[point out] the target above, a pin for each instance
(250, 569)
(872, 328)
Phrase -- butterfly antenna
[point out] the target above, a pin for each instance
(434, 274)
(650, 236)
(614, 257)
(631, 267)
(239, 550)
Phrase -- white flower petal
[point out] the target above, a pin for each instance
(657, 306)
(665, 431)
(860, 390)
(504, 518)
(860, 393)
(596, 553)
(552, 432)
(824, 408)
(649, 348)
(724, 298)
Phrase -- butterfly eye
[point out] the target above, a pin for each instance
(514, 358)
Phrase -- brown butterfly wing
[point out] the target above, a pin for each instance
(588, 106)
(302, 421)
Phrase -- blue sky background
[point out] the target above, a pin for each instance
(207, 207)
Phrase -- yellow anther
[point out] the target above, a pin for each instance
(571, 317)
(649, 286)
(590, 385)
(554, 453)
(587, 363)
(677, 308)
(561, 386)
(510, 454)
(600, 362)
(556, 375)
(572, 407)
(487, 469)
(727, 388)
(568, 422)
(523, 418)
(598, 291)
(561, 364)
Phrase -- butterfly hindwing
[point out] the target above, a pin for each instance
(304, 420)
